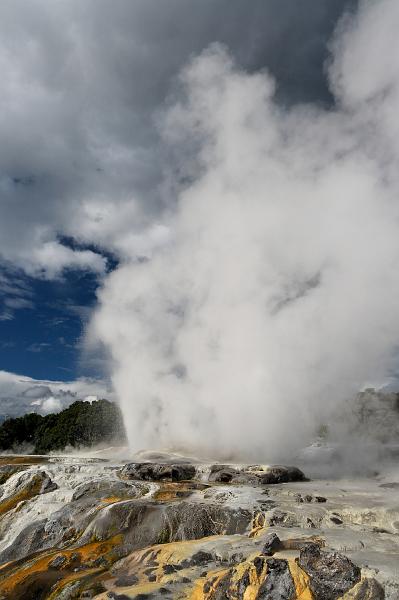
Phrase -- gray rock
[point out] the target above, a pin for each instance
(47, 484)
(158, 472)
(199, 558)
(331, 574)
(144, 523)
(278, 584)
(226, 474)
(308, 498)
(271, 545)
(222, 474)
(282, 518)
(100, 488)
(280, 474)
(126, 580)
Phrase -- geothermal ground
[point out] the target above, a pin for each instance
(167, 527)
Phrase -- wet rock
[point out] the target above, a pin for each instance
(278, 584)
(158, 472)
(331, 574)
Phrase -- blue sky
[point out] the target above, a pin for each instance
(43, 320)
(43, 340)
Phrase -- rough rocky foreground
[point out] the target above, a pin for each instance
(87, 528)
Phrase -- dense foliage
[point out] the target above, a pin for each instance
(81, 424)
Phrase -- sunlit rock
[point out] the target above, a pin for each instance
(206, 531)
(367, 589)
(331, 574)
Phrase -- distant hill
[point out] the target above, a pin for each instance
(81, 424)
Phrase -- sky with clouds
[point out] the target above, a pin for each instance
(87, 181)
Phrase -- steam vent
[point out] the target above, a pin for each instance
(74, 528)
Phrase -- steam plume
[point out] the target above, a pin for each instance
(275, 295)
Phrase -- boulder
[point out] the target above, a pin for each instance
(331, 574)
(271, 544)
(280, 474)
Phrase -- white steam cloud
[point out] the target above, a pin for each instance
(275, 296)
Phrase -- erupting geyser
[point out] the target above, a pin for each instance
(272, 295)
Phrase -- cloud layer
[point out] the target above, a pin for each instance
(19, 394)
(274, 299)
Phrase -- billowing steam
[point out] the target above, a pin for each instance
(275, 295)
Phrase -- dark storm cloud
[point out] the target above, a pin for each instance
(80, 84)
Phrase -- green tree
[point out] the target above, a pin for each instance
(81, 424)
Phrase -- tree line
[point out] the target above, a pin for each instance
(81, 424)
